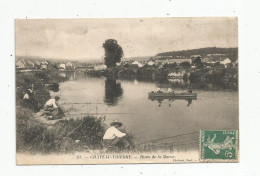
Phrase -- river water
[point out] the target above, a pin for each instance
(127, 101)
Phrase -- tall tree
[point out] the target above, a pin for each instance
(113, 52)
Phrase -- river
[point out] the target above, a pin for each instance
(127, 101)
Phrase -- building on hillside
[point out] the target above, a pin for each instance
(44, 62)
(20, 64)
(62, 66)
(217, 57)
(137, 64)
(225, 61)
(205, 60)
(69, 66)
(100, 67)
(150, 63)
(44, 66)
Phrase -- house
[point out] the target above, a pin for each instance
(100, 67)
(44, 66)
(69, 66)
(38, 63)
(205, 60)
(62, 66)
(137, 64)
(21, 64)
(30, 64)
(150, 63)
(44, 62)
(225, 61)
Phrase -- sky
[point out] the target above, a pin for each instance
(82, 39)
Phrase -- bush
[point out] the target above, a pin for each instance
(40, 95)
(185, 65)
(89, 130)
(32, 136)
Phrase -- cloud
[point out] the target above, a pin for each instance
(83, 38)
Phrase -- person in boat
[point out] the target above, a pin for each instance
(114, 138)
(190, 89)
(159, 90)
(52, 106)
(170, 90)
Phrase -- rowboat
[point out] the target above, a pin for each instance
(185, 95)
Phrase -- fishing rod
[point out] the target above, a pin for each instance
(154, 147)
(171, 143)
(168, 137)
(82, 103)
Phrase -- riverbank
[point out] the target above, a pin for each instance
(219, 75)
(71, 135)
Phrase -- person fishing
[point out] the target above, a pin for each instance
(52, 106)
(170, 90)
(113, 137)
(27, 98)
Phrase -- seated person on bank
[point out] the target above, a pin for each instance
(190, 89)
(27, 98)
(170, 90)
(113, 137)
(52, 106)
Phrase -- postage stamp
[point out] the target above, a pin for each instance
(219, 145)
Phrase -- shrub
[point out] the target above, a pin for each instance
(32, 136)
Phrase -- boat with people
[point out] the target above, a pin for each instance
(172, 95)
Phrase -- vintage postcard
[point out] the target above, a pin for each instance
(136, 90)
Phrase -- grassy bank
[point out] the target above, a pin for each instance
(64, 136)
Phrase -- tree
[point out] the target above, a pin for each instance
(113, 52)
(185, 64)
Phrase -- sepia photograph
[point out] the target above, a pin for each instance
(126, 90)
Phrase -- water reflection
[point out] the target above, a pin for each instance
(113, 91)
(189, 102)
(57, 77)
(170, 100)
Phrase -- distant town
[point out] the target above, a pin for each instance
(162, 60)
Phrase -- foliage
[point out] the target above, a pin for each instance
(39, 138)
(113, 52)
(35, 81)
(185, 64)
(173, 65)
(30, 135)
(232, 52)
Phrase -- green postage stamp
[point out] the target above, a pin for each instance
(219, 145)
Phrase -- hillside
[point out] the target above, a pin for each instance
(231, 52)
